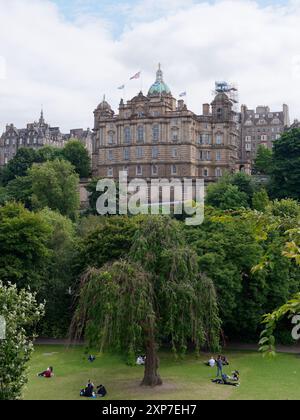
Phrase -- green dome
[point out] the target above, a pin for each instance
(159, 87)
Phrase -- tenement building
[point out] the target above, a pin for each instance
(261, 127)
(156, 136)
(36, 135)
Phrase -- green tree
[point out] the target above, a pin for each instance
(20, 190)
(78, 156)
(260, 200)
(55, 185)
(21, 313)
(263, 163)
(286, 169)
(57, 288)
(157, 293)
(226, 196)
(19, 164)
(23, 246)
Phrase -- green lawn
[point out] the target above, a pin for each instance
(189, 379)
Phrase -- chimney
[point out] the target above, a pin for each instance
(206, 109)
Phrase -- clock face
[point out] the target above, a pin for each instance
(2, 328)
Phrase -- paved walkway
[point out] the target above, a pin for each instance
(295, 349)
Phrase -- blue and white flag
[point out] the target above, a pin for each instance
(182, 94)
(121, 87)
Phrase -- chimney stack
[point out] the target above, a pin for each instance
(206, 109)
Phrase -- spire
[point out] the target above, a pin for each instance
(42, 120)
(159, 74)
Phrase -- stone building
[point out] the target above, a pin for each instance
(156, 136)
(37, 135)
(261, 127)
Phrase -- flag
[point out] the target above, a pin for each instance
(121, 87)
(136, 76)
(182, 94)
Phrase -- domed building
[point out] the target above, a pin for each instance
(157, 136)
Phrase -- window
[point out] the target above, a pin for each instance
(140, 134)
(21, 141)
(34, 140)
(125, 169)
(127, 135)
(248, 147)
(110, 155)
(248, 138)
(175, 134)
(218, 172)
(174, 153)
(155, 152)
(174, 169)
(111, 137)
(155, 132)
(154, 170)
(7, 142)
(110, 172)
(205, 172)
(264, 138)
(126, 153)
(219, 138)
(218, 156)
(139, 152)
(205, 155)
(204, 139)
(139, 170)
(219, 112)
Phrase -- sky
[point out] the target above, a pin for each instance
(64, 55)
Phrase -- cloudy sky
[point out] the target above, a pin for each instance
(66, 54)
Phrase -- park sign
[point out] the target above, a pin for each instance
(2, 328)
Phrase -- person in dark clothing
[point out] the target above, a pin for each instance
(101, 391)
(225, 361)
(88, 391)
(225, 381)
(91, 358)
(219, 364)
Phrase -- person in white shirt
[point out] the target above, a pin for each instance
(212, 362)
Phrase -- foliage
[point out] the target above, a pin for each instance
(286, 169)
(263, 163)
(225, 196)
(260, 200)
(23, 245)
(21, 313)
(56, 290)
(157, 293)
(55, 185)
(291, 308)
(78, 156)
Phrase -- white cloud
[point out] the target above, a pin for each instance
(67, 66)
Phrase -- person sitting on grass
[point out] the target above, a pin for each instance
(225, 361)
(47, 373)
(88, 391)
(101, 391)
(91, 358)
(211, 362)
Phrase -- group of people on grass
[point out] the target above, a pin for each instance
(222, 378)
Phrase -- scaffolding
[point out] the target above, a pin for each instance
(231, 91)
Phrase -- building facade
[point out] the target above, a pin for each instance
(37, 135)
(156, 136)
(260, 127)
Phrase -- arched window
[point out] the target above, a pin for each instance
(218, 172)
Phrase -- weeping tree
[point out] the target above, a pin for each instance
(156, 294)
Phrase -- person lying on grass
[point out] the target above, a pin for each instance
(226, 380)
(47, 373)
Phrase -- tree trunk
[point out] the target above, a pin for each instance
(151, 375)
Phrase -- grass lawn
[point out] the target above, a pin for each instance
(189, 379)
